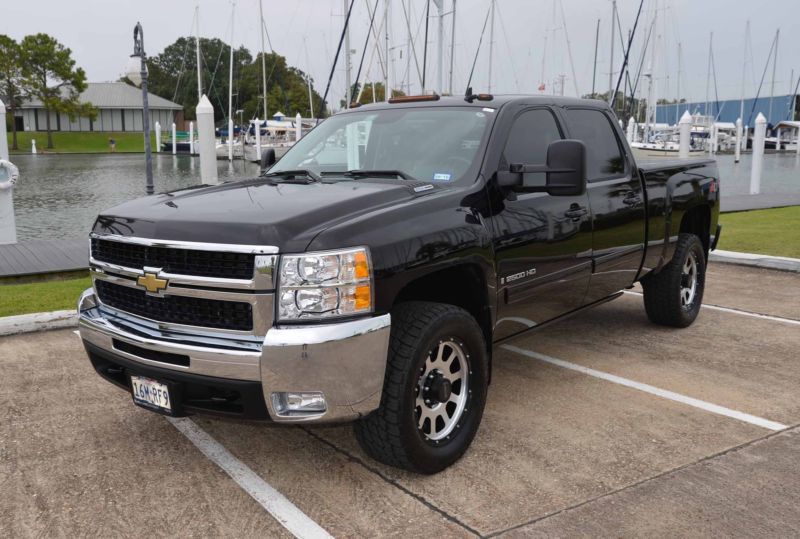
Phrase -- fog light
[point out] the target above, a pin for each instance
(290, 404)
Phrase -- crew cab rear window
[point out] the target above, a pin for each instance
(604, 158)
(531, 133)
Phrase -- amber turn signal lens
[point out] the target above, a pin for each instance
(363, 297)
(362, 267)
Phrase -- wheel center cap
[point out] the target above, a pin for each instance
(440, 388)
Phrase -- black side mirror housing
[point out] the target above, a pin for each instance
(267, 158)
(566, 160)
(565, 169)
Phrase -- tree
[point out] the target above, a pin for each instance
(11, 80)
(49, 75)
(173, 77)
(366, 95)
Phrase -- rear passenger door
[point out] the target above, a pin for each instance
(616, 198)
(542, 242)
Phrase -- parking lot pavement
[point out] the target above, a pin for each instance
(77, 460)
(560, 452)
(741, 493)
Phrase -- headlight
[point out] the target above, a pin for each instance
(324, 285)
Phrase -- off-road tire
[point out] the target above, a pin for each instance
(662, 290)
(391, 434)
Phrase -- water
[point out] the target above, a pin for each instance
(59, 196)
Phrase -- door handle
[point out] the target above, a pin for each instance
(632, 198)
(576, 212)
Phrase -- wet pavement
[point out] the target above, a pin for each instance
(559, 453)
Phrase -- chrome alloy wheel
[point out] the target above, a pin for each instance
(689, 281)
(442, 391)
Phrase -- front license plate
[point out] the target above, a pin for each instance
(150, 393)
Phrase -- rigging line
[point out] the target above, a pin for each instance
(338, 51)
(619, 32)
(183, 61)
(508, 47)
(411, 37)
(760, 84)
(791, 101)
(645, 46)
(376, 32)
(366, 42)
(478, 50)
(627, 53)
(569, 48)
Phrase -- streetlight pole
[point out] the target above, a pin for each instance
(138, 51)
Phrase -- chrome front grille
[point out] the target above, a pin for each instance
(204, 290)
(177, 261)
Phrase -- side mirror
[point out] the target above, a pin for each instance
(267, 158)
(566, 161)
(565, 169)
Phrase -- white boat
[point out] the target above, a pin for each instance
(251, 150)
(660, 149)
(222, 150)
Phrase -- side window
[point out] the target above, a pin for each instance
(603, 155)
(532, 132)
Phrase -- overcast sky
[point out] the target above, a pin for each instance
(530, 45)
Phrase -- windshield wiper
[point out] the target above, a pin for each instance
(294, 176)
(377, 174)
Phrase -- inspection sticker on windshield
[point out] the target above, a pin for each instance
(441, 177)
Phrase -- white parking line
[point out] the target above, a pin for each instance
(737, 311)
(663, 393)
(284, 511)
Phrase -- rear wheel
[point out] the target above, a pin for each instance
(434, 391)
(674, 295)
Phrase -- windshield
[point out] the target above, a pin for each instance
(430, 144)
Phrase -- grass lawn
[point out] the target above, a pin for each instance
(770, 232)
(41, 297)
(80, 142)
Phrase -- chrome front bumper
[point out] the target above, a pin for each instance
(344, 361)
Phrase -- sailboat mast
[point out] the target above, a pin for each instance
(491, 46)
(744, 67)
(708, 75)
(263, 60)
(611, 59)
(596, 42)
(774, 65)
(347, 69)
(197, 47)
(452, 47)
(440, 46)
(678, 85)
(230, 89)
(387, 93)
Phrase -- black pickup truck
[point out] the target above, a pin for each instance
(368, 273)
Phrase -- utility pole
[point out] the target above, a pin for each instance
(611, 59)
(491, 46)
(452, 48)
(347, 68)
(263, 61)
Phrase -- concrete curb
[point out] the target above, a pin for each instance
(27, 323)
(756, 260)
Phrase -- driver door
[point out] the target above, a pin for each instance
(543, 243)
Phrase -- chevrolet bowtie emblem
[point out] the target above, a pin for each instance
(152, 283)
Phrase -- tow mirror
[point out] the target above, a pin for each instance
(565, 169)
(267, 158)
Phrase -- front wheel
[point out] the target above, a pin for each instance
(674, 295)
(434, 390)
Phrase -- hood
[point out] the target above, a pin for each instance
(256, 212)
